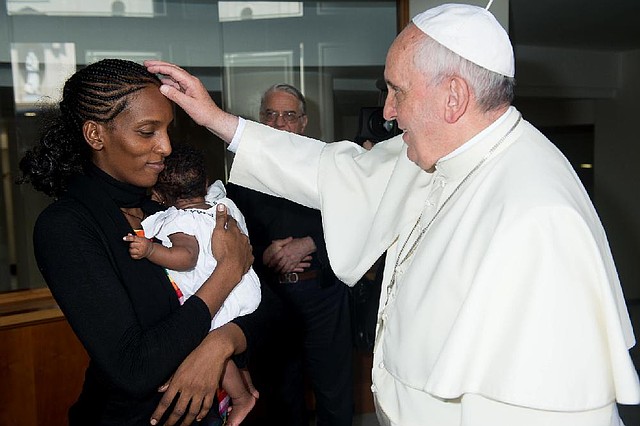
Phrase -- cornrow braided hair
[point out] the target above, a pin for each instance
(184, 175)
(98, 92)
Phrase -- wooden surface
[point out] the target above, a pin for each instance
(20, 308)
(42, 363)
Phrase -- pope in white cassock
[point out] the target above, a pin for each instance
(501, 304)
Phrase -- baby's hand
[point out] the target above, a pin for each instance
(140, 247)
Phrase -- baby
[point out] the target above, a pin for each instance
(184, 230)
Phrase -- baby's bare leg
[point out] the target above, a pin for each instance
(249, 383)
(243, 394)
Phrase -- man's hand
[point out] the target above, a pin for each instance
(189, 93)
(289, 254)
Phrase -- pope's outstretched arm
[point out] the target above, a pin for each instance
(189, 93)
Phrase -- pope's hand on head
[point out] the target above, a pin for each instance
(185, 90)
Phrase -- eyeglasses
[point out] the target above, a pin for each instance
(270, 116)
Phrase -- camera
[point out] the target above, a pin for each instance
(373, 126)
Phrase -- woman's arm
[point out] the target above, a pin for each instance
(198, 376)
(196, 380)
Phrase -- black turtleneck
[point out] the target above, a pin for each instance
(124, 311)
(123, 194)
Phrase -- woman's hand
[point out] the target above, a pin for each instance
(234, 257)
(190, 94)
(196, 380)
(229, 245)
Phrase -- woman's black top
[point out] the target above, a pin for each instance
(124, 311)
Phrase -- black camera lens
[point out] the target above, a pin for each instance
(374, 127)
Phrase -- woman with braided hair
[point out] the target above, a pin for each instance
(152, 360)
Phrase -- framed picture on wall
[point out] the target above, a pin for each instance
(246, 10)
(39, 71)
(248, 74)
(138, 8)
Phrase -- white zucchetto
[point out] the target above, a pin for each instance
(472, 32)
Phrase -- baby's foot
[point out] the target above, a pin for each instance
(253, 391)
(240, 408)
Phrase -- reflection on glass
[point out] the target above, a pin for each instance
(245, 10)
(248, 74)
(137, 8)
(92, 56)
(39, 70)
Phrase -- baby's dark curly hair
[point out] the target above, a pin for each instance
(97, 92)
(184, 175)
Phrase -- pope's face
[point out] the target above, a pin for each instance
(134, 144)
(281, 103)
(414, 101)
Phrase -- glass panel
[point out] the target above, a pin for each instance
(333, 51)
(137, 8)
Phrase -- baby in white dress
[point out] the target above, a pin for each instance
(198, 222)
(184, 230)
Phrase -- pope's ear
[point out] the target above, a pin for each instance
(458, 97)
(92, 133)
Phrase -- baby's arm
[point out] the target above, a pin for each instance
(182, 256)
